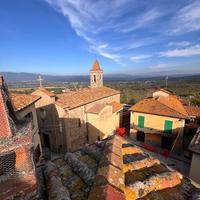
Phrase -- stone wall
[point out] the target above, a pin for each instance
(48, 119)
(76, 123)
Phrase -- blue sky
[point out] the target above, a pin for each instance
(126, 36)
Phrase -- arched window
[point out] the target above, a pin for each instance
(95, 79)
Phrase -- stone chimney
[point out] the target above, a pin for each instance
(6, 111)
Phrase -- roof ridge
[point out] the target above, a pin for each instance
(172, 108)
(150, 100)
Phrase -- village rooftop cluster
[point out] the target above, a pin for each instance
(85, 144)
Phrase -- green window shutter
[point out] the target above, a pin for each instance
(141, 121)
(168, 126)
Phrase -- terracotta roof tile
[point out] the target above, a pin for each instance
(21, 101)
(97, 108)
(106, 192)
(96, 66)
(116, 106)
(193, 111)
(174, 103)
(171, 107)
(47, 92)
(146, 178)
(78, 98)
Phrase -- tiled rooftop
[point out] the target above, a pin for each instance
(174, 103)
(21, 101)
(165, 106)
(193, 111)
(98, 107)
(115, 169)
(47, 92)
(78, 98)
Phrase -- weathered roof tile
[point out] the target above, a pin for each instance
(106, 192)
(21, 101)
(78, 98)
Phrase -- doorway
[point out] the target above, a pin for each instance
(46, 140)
(166, 143)
(140, 136)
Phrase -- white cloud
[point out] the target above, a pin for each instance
(140, 57)
(179, 44)
(163, 66)
(94, 20)
(173, 68)
(103, 46)
(101, 50)
(142, 20)
(190, 51)
(187, 19)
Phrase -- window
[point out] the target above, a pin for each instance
(141, 121)
(60, 126)
(168, 126)
(95, 79)
(79, 123)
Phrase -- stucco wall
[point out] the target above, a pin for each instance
(103, 124)
(160, 94)
(194, 168)
(22, 113)
(155, 123)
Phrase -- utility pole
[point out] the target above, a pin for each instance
(166, 82)
(40, 80)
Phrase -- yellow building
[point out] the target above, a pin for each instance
(159, 120)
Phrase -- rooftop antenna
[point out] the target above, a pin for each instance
(40, 80)
(166, 81)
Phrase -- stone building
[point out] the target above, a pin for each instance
(18, 152)
(69, 120)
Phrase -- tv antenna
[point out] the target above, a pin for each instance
(166, 81)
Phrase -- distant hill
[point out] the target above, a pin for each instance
(13, 77)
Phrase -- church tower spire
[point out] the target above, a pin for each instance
(96, 75)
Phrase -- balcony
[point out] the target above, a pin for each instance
(134, 128)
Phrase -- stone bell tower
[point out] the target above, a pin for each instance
(96, 75)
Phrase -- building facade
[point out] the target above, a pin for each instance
(159, 120)
(75, 118)
(195, 163)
